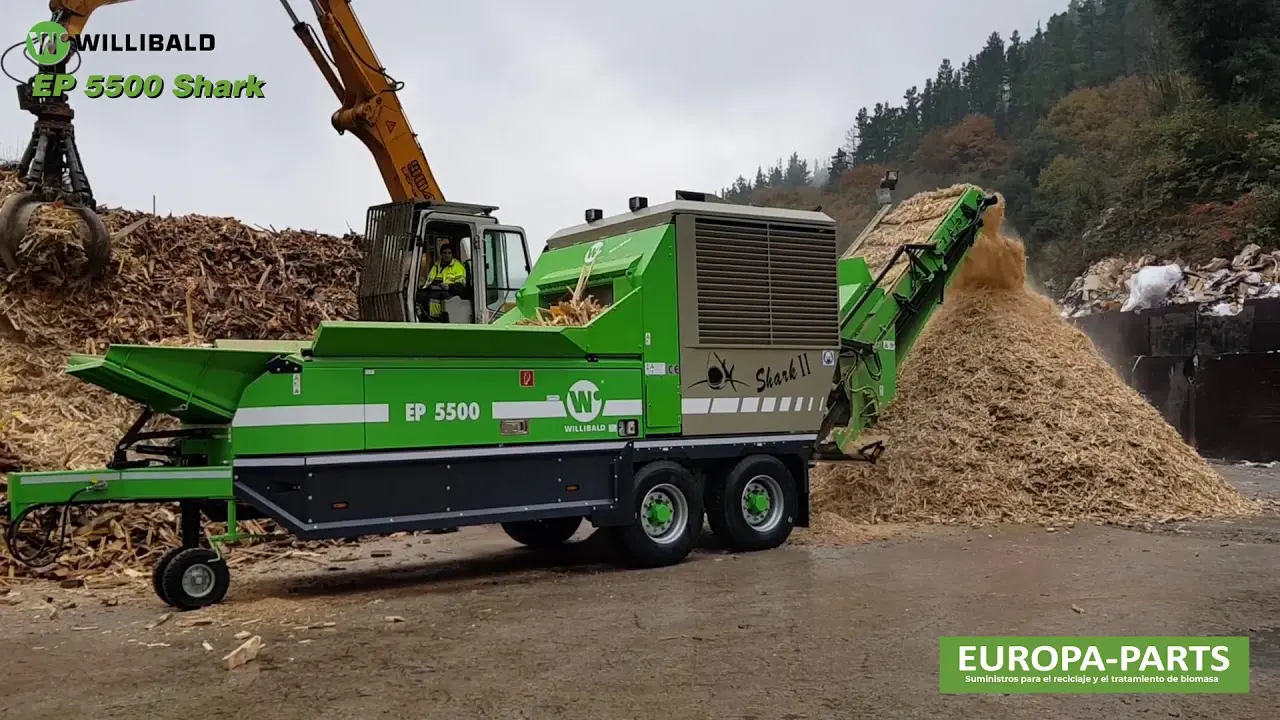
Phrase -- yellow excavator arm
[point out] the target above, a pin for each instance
(52, 171)
(370, 108)
(73, 14)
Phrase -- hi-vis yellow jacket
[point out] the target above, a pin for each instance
(452, 274)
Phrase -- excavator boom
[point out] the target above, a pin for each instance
(370, 108)
(52, 171)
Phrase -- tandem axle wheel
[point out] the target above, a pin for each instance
(753, 506)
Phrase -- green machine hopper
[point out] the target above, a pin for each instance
(734, 341)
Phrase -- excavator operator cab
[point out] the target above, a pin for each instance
(405, 240)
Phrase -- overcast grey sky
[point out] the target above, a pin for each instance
(542, 107)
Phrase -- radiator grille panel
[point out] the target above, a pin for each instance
(765, 283)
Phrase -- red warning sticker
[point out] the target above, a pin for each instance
(526, 378)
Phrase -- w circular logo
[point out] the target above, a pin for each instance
(47, 43)
(584, 401)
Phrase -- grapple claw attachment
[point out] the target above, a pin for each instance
(51, 170)
(97, 246)
(15, 218)
(15, 215)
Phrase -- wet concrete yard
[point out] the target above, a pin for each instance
(467, 626)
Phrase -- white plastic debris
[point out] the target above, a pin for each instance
(1151, 285)
(1105, 285)
(1223, 309)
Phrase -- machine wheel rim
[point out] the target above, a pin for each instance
(664, 513)
(762, 503)
(198, 580)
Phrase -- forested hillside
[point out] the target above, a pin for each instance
(1118, 127)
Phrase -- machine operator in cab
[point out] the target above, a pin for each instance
(446, 283)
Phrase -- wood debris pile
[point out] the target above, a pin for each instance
(568, 313)
(1007, 413)
(1221, 285)
(576, 310)
(173, 280)
(191, 275)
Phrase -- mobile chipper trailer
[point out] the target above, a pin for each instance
(734, 347)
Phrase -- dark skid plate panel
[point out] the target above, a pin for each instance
(319, 501)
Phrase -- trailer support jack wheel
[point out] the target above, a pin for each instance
(194, 578)
(157, 572)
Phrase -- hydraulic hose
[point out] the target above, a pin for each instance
(11, 532)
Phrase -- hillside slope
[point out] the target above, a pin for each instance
(1120, 127)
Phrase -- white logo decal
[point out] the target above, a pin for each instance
(584, 401)
(593, 252)
(828, 357)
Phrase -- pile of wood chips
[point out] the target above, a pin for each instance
(573, 312)
(914, 220)
(1007, 413)
(173, 280)
(577, 310)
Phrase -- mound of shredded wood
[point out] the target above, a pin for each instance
(1007, 413)
(173, 280)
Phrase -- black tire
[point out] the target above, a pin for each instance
(637, 547)
(157, 572)
(728, 516)
(208, 567)
(542, 534)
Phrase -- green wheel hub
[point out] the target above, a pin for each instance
(660, 513)
(664, 513)
(762, 503)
